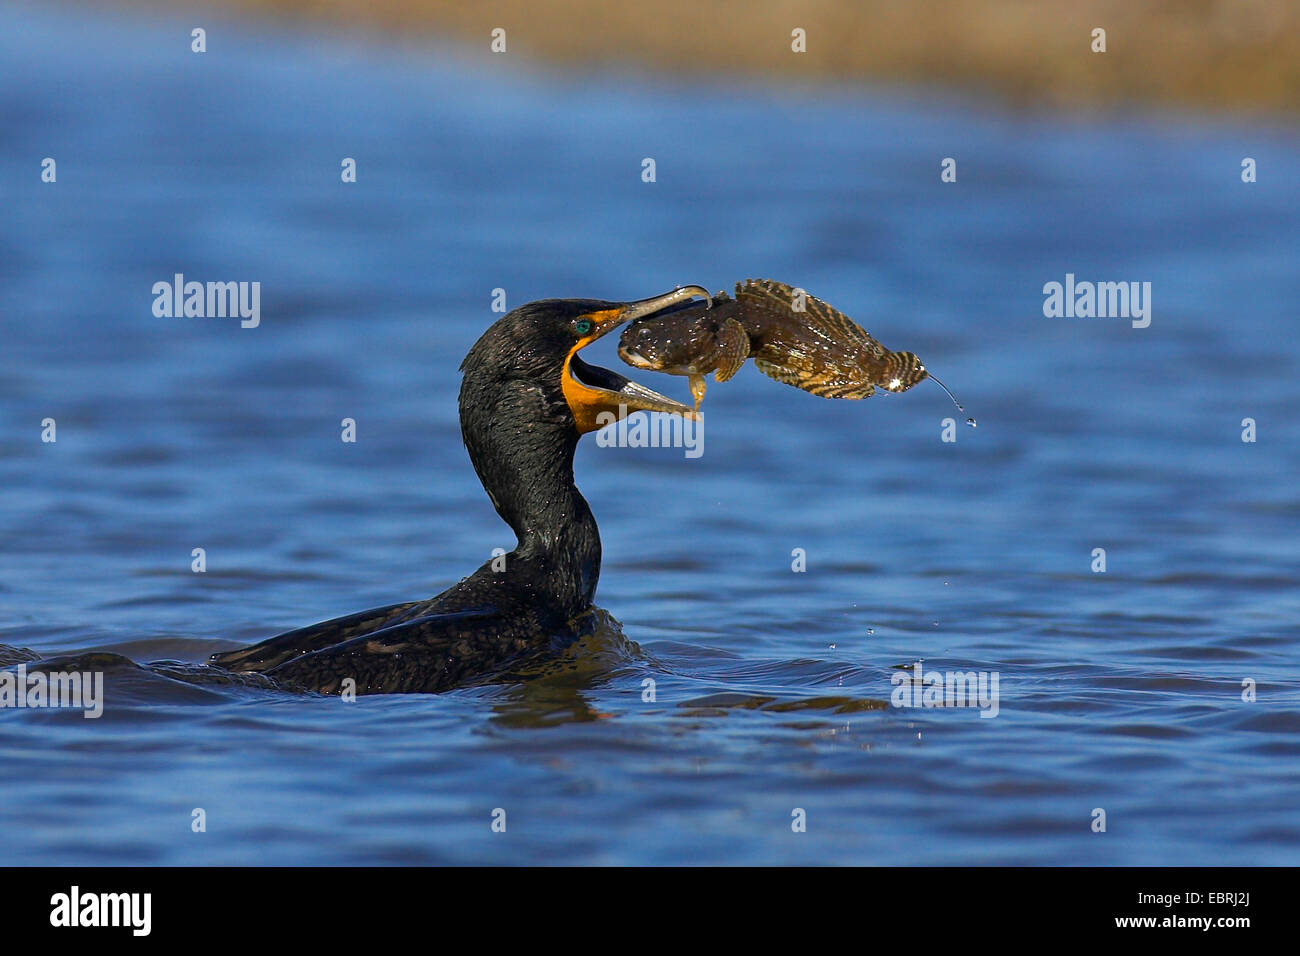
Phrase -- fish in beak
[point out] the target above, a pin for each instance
(599, 397)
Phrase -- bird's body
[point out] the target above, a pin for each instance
(525, 400)
(810, 345)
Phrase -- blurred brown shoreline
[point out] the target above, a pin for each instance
(1220, 55)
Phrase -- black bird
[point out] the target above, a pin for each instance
(525, 400)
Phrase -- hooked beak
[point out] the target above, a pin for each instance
(599, 397)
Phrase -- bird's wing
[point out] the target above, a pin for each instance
(303, 640)
(424, 655)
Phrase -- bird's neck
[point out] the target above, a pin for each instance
(526, 467)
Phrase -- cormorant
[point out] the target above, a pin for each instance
(525, 399)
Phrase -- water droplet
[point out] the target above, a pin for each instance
(871, 630)
(970, 422)
(832, 646)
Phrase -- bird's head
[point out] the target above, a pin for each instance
(530, 356)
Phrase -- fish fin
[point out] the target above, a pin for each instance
(824, 319)
(779, 372)
(699, 385)
(817, 378)
(836, 357)
(905, 368)
(733, 349)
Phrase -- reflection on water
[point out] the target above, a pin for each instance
(735, 688)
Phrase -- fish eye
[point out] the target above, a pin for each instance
(582, 326)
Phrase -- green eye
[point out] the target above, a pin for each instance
(583, 326)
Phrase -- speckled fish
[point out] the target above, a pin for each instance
(820, 349)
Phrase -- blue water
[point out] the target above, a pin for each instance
(1119, 690)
